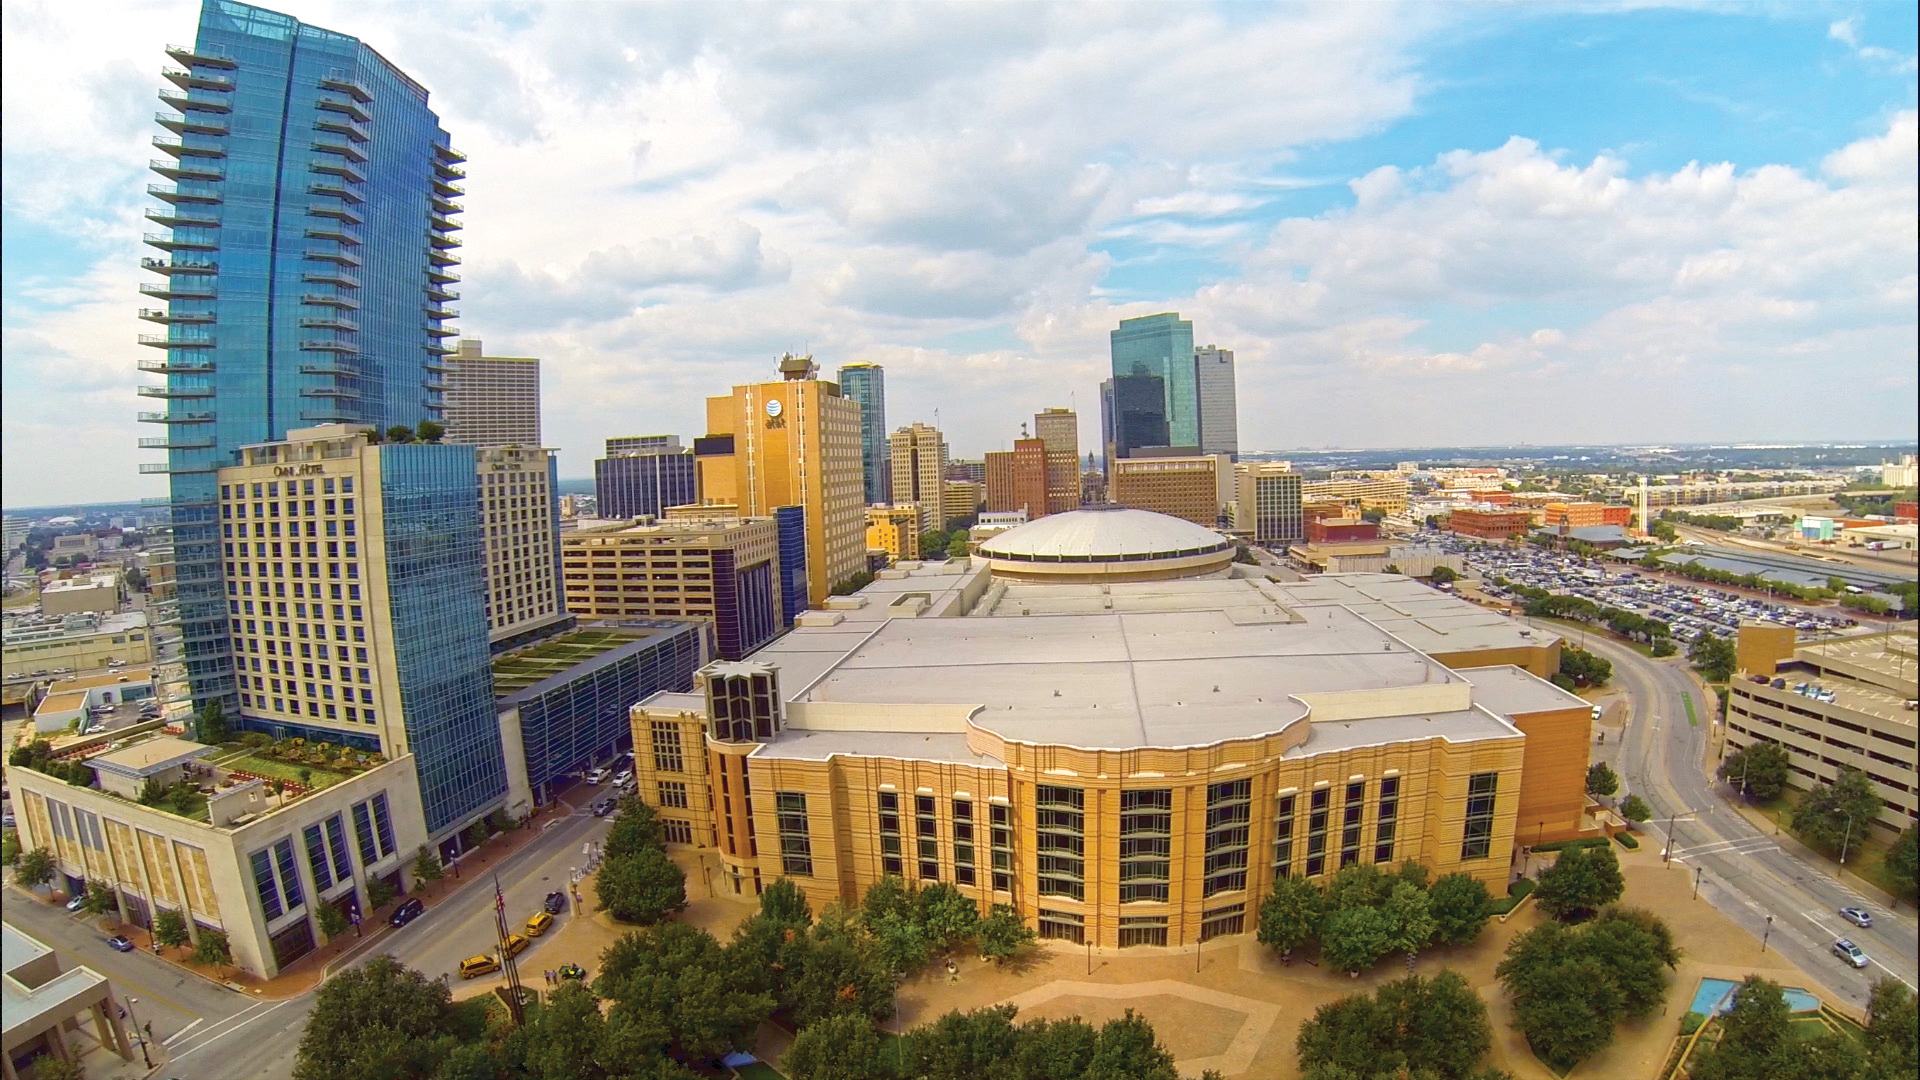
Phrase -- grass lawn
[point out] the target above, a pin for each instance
(281, 770)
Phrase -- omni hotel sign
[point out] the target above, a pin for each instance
(298, 470)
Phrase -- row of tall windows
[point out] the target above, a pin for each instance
(1146, 844)
(1229, 810)
(796, 845)
(1060, 840)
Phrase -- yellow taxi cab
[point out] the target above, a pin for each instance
(478, 965)
(515, 944)
(539, 924)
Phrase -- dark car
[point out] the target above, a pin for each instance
(603, 807)
(556, 903)
(119, 943)
(407, 912)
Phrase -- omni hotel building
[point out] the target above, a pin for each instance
(1106, 724)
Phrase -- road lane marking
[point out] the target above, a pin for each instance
(1810, 917)
(182, 1033)
(203, 1044)
(225, 1020)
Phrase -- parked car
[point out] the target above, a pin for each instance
(478, 965)
(597, 776)
(119, 943)
(604, 807)
(77, 901)
(1848, 951)
(516, 944)
(556, 902)
(539, 924)
(407, 912)
(622, 778)
(1860, 917)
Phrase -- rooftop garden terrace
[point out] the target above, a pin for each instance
(518, 670)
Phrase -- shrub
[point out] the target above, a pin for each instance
(170, 929)
(1627, 840)
(1691, 1022)
(1562, 845)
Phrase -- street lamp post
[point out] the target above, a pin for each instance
(137, 1034)
(1845, 837)
(1697, 872)
(1767, 934)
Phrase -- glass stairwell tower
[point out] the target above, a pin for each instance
(304, 267)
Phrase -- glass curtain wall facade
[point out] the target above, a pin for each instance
(1163, 345)
(307, 248)
(867, 384)
(792, 523)
(643, 485)
(437, 603)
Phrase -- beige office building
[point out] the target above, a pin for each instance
(1182, 487)
(792, 443)
(1840, 703)
(918, 457)
(962, 500)
(1266, 502)
(1387, 493)
(894, 530)
(1059, 429)
(516, 512)
(491, 400)
(1124, 762)
(78, 643)
(700, 566)
(53, 1010)
(99, 592)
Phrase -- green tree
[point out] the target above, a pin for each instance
(1291, 915)
(332, 921)
(1413, 1027)
(1564, 1002)
(170, 930)
(957, 548)
(901, 942)
(1003, 933)
(475, 835)
(1358, 885)
(1410, 914)
(562, 1039)
(212, 948)
(210, 726)
(1580, 882)
(380, 1018)
(891, 895)
(843, 1047)
(679, 977)
(399, 433)
(1443, 575)
(1751, 1031)
(426, 867)
(978, 1045)
(152, 792)
(1893, 1030)
(1758, 769)
(379, 893)
(99, 898)
(1601, 779)
(784, 904)
(1056, 1049)
(642, 888)
(10, 850)
(1461, 906)
(839, 970)
(1663, 646)
(635, 829)
(1712, 657)
(1353, 939)
(1635, 809)
(429, 432)
(1128, 1050)
(1833, 816)
(35, 868)
(1903, 862)
(948, 918)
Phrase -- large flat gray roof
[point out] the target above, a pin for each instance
(1510, 690)
(1424, 618)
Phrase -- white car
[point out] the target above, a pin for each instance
(597, 776)
(621, 778)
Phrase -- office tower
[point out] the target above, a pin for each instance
(919, 461)
(1133, 409)
(867, 384)
(492, 400)
(894, 530)
(643, 444)
(795, 442)
(519, 518)
(795, 588)
(1267, 502)
(1017, 478)
(1059, 429)
(641, 476)
(619, 570)
(1387, 493)
(962, 500)
(1219, 416)
(305, 260)
(975, 471)
(1162, 345)
(1186, 487)
(370, 630)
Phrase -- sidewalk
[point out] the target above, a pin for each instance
(1826, 864)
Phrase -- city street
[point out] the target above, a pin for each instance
(217, 1034)
(1743, 870)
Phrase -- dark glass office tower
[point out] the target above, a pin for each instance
(1139, 416)
(867, 384)
(636, 485)
(1162, 345)
(792, 524)
(305, 264)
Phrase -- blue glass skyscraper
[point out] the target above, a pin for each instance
(867, 384)
(305, 268)
(1162, 345)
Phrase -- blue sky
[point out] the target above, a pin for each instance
(1416, 225)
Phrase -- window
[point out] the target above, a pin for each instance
(317, 858)
(1477, 839)
(337, 845)
(1388, 817)
(263, 884)
(796, 845)
(383, 824)
(890, 833)
(1002, 818)
(363, 832)
(1229, 808)
(927, 830)
(673, 793)
(963, 873)
(666, 747)
(1142, 930)
(289, 874)
(1317, 833)
(1223, 920)
(1059, 838)
(1062, 926)
(1283, 821)
(676, 831)
(1146, 831)
(1350, 815)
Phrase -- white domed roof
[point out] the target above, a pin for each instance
(1103, 534)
